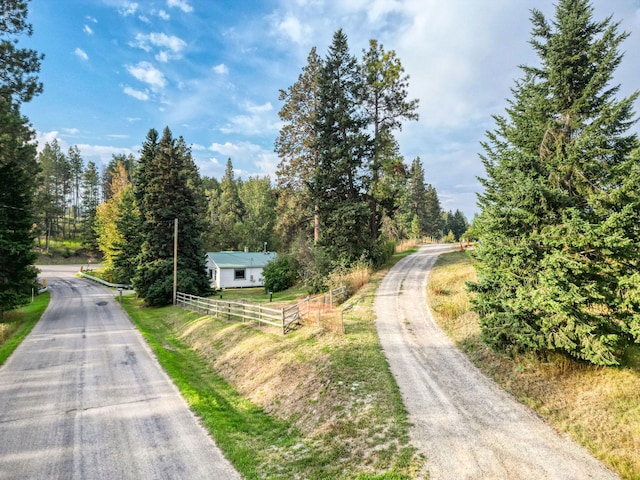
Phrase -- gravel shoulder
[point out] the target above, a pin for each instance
(83, 397)
(464, 424)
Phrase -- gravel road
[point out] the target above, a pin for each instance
(466, 426)
(83, 398)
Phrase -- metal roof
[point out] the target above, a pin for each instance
(241, 259)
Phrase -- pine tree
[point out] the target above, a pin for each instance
(296, 147)
(127, 246)
(384, 98)
(18, 166)
(227, 225)
(170, 187)
(342, 149)
(419, 201)
(559, 250)
(76, 164)
(258, 221)
(90, 202)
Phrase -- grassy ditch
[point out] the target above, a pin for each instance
(308, 405)
(16, 324)
(599, 407)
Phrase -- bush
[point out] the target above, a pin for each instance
(280, 273)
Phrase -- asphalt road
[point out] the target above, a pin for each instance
(464, 424)
(83, 398)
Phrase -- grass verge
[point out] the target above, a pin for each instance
(17, 324)
(308, 405)
(599, 407)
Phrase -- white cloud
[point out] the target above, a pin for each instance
(128, 8)
(137, 94)
(221, 69)
(173, 45)
(248, 159)
(99, 154)
(292, 28)
(91, 19)
(147, 73)
(164, 15)
(71, 131)
(87, 29)
(181, 4)
(81, 54)
(258, 120)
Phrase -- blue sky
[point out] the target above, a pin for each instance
(211, 70)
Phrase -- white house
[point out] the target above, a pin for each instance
(237, 269)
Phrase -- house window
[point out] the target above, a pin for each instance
(238, 274)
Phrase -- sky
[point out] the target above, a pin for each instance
(211, 70)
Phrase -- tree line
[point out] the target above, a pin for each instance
(559, 242)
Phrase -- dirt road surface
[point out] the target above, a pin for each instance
(83, 398)
(466, 426)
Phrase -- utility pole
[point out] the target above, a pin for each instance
(175, 262)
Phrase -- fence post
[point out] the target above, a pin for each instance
(283, 329)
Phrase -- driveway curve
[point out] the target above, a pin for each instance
(83, 397)
(466, 426)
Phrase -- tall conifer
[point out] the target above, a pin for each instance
(559, 250)
(169, 187)
(18, 84)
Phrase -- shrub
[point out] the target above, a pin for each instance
(280, 273)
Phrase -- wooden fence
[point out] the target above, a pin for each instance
(240, 311)
(320, 310)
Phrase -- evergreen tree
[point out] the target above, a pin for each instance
(259, 217)
(419, 202)
(76, 164)
(18, 166)
(127, 246)
(296, 146)
(172, 189)
(227, 227)
(384, 98)
(90, 202)
(53, 180)
(342, 149)
(456, 223)
(558, 257)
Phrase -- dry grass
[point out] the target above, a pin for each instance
(407, 244)
(599, 407)
(354, 278)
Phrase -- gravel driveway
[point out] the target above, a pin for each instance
(466, 426)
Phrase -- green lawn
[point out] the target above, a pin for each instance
(17, 324)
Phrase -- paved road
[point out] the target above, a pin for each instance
(465, 425)
(83, 398)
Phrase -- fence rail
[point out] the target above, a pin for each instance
(240, 311)
(320, 309)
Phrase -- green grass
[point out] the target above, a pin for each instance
(308, 405)
(17, 324)
(63, 252)
(242, 430)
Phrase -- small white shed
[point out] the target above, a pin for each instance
(237, 269)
